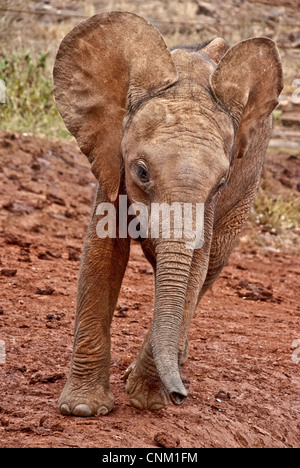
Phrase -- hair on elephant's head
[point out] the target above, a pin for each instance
(169, 124)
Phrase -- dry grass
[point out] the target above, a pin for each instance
(180, 22)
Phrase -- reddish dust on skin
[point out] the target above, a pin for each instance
(244, 388)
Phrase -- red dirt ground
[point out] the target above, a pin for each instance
(244, 388)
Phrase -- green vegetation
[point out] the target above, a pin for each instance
(277, 117)
(277, 212)
(30, 104)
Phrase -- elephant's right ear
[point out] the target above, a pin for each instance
(104, 67)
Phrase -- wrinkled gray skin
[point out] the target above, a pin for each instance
(187, 126)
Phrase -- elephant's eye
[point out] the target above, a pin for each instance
(142, 173)
(222, 183)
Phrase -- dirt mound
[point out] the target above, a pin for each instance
(244, 385)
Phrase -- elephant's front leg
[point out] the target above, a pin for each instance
(103, 265)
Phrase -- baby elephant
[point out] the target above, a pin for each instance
(188, 127)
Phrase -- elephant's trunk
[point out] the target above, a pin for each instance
(172, 275)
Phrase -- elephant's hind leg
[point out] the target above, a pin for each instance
(225, 237)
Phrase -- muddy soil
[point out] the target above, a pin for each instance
(242, 373)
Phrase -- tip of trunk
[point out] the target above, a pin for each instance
(178, 398)
(176, 390)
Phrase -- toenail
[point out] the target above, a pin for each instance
(82, 410)
(64, 409)
(156, 406)
(136, 404)
(102, 410)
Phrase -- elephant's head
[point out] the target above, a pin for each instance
(169, 124)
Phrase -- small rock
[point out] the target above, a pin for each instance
(4, 421)
(19, 208)
(290, 119)
(11, 239)
(52, 325)
(53, 316)
(53, 254)
(56, 427)
(45, 291)
(35, 166)
(58, 216)
(43, 256)
(55, 199)
(46, 422)
(221, 395)
(146, 271)
(8, 272)
(74, 254)
(166, 440)
(53, 319)
(121, 310)
(70, 214)
(38, 377)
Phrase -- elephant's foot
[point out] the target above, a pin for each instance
(145, 392)
(84, 399)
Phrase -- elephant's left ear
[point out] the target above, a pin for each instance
(247, 82)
